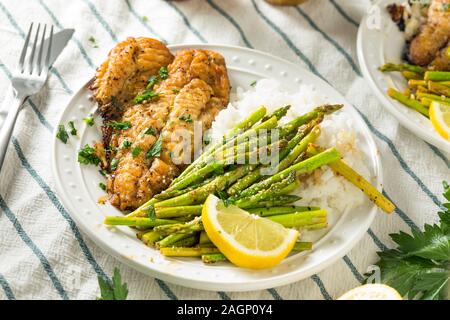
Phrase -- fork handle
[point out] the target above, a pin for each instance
(13, 107)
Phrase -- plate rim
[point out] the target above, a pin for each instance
(240, 286)
(382, 97)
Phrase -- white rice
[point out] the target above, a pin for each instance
(323, 188)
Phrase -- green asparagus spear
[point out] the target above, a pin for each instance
(204, 239)
(175, 193)
(190, 241)
(279, 113)
(305, 166)
(433, 97)
(317, 226)
(276, 201)
(389, 67)
(411, 103)
(136, 222)
(300, 219)
(437, 75)
(199, 195)
(307, 117)
(171, 239)
(409, 75)
(218, 163)
(213, 257)
(217, 257)
(438, 88)
(302, 246)
(298, 144)
(150, 238)
(264, 212)
(274, 189)
(187, 252)
(289, 188)
(189, 227)
(181, 211)
(341, 168)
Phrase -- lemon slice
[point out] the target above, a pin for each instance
(440, 118)
(247, 240)
(372, 292)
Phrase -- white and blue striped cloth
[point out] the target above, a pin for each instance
(43, 254)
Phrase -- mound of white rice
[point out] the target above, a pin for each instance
(323, 188)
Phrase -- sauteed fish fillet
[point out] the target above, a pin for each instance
(196, 89)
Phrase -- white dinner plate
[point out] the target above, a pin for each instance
(380, 41)
(78, 189)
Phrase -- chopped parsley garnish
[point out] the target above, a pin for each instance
(175, 90)
(102, 186)
(116, 125)
(186, 117)
(163, 73)
(93, 42)
(253, 83)
(155, 150)
(446, 6)
(150, 131)
(115, 290)
(125, 144)
(102, 172)
(147, 95)
(89, 120)
(144, 18)
(73, 130)
(87, 155)
(151, 82)
(136, 151)
(114, 163)
(62, 133)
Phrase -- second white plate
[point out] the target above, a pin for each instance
(380, 41)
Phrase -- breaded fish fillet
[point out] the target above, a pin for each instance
(433, 35)
(196, 89)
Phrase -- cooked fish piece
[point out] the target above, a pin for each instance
(126, 71)
(197, 87)
(433, 35)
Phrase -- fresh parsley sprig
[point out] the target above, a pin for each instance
(115, 290)
(87, 155)
(419, 268)
(62, 133)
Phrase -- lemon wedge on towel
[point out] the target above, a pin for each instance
(372, 292)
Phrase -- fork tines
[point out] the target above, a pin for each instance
(40, 62)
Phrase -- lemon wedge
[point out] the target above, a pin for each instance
(247, 240)
(440, 118)
(372, 292)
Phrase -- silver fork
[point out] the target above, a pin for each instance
(28, 78)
